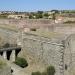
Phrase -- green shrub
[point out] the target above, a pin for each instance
(50, 70)
(44, 73)
(33, 29)
(36, 73)
(21, 62)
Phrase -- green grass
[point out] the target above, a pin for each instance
(2, 64)
(21, 62)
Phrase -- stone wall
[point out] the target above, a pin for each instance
(4, 67)
(49, 51)
(8, 21)
(29, 23)
(45, 50)
(65, 28)
(7, 36)
(69, 55)
(45, 24)
(57, 52)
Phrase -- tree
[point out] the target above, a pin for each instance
(46, 15)
(39, 14)
(30, 16)
(55, 11)
(21, 62)
(54, 16)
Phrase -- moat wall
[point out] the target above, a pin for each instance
(57, 52)
(49, 51)
(45, 50)
(7, 36)
(69, 55)
(45, 24)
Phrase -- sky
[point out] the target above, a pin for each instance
(35, 5)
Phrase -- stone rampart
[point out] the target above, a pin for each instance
(45, 50)
(69, 55)
(29, 23)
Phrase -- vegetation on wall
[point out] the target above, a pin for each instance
(6, 45)
(33, 29)
(21, 62)
(49, 71)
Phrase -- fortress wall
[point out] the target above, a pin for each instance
(8, 21)
(35, 21)
(43, 24)
(8, 36)
(42, 50)
(27, 22)
(69, 55)
(65, 29)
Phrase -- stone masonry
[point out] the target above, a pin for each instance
(59, 52)
(45, 50)
(51, 51)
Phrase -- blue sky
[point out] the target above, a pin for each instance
(35, 5)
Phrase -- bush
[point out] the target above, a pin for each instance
(36, 73)
(33, 29)
(31, 17)
(21, 62)
(50, 70)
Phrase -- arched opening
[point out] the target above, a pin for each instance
(11, 70)
(8, 54)
(17, 51)
(66, 66)
(1, 53)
